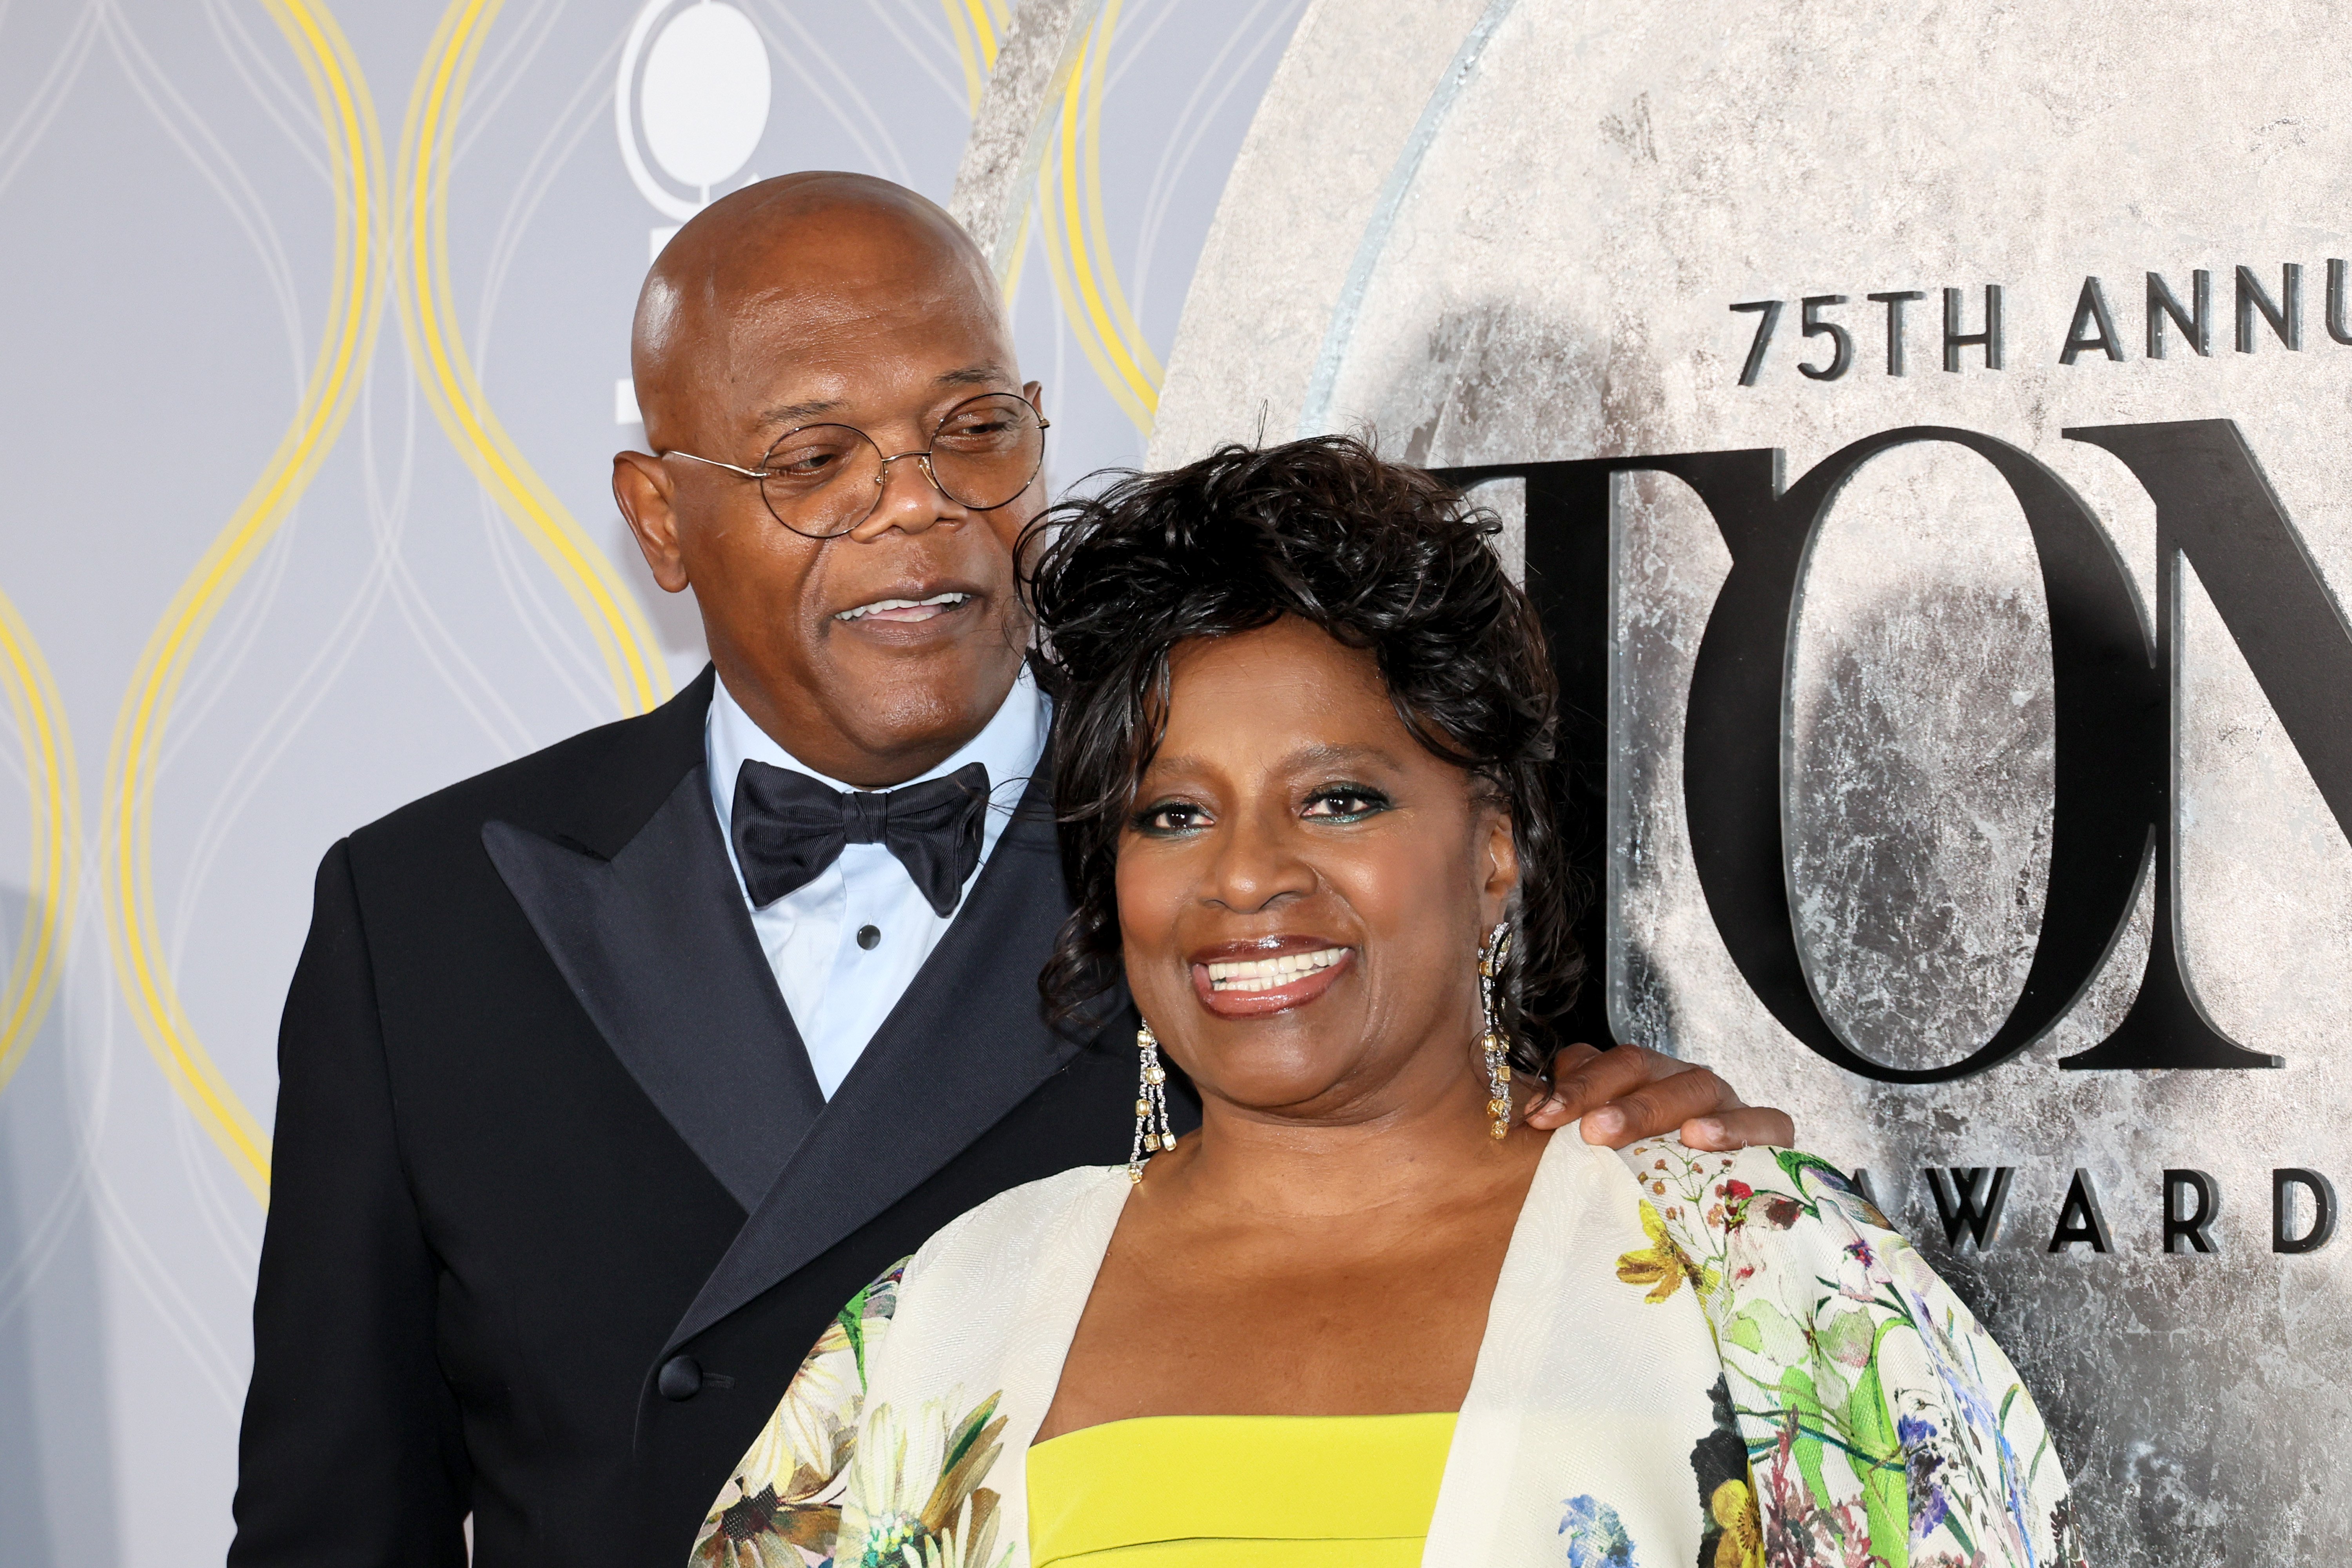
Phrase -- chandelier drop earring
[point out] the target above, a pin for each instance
(1151, 1133)
(1495, 1045)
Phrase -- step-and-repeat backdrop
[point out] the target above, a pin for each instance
(1921, 428)
(315, 360)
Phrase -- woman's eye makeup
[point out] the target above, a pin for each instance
(1340, 802)
(1346, 803)
(1166, 818)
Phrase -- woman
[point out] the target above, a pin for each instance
(1366, 1314)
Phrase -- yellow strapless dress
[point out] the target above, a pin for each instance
(1238, 1491)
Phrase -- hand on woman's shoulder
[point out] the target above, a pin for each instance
(1873, 1406)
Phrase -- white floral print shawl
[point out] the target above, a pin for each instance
(1725, 1361)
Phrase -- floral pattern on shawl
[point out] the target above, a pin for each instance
(915, 1497)
(902, 1493)
(783, 1510)
(1883, 1425)
(1855, 1416)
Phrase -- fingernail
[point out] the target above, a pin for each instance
(1606, 1119)
(1710, 1129)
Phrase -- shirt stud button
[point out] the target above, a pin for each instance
(870, 937)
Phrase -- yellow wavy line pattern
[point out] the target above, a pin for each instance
(355, 306)
(976, 25)
(1069, 199)
(1077, 251)
(55, 794)
(623, 636)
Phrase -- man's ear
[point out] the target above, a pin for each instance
(641, 489)
(1035, 393)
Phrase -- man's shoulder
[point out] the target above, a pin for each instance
(584, 787)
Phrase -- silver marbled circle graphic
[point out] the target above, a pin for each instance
(1526, 244)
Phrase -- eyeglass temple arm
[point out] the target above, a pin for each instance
(747, 473)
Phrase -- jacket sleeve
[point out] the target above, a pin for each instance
(1878, 1420)
(783, 1507)
(352, 1452)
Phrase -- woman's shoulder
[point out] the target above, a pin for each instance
(1873, 1405)
(961, 1292)
(1725, 1222)
(1017, 1222)
(1778, 1190)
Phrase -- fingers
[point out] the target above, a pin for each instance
(1587, 1079)
(1632, 1092)
(1565, 1103)
(1725, 1131)
(1658, 1108)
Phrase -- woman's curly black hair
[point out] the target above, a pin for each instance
(1380, 555)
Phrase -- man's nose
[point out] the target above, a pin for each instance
(910, 500)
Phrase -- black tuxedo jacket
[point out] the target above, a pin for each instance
(558, 1207)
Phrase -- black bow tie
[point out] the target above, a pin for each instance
(788, 827)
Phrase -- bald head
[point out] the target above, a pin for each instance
(800, 255)
(780, 315)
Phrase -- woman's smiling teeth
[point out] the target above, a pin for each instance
(904, 609)
(1265, 973)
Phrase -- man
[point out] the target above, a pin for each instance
(606, 1076)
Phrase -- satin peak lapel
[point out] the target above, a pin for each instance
(965, 1045)
(657, 945)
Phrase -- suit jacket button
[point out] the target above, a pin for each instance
(681, 1378)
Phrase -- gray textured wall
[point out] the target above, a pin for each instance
(1525, 246)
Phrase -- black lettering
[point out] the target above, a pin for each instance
(2215, 510)
(2091, 310)
(1840, 341)
(2323, 1210)
(1769, 319)
(2079, 1218)
(1965, 1203)
(2112, 735)
(2286, 316)
(2196, 324)
(2111, 742)
(2112, 812)
(2191, 1226)
(1894, 301)
(2337, 327)
(1569, 568)
(1988, 339)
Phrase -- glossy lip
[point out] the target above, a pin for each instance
(907, 626)
(1281, 998)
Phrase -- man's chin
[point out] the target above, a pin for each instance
(910, 726)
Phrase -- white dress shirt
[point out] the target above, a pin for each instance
(838, 990)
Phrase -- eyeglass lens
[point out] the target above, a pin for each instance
(820, 479)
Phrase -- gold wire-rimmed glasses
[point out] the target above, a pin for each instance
(822, 480)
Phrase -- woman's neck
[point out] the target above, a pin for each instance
(1408, 1153)
(1292, 1266)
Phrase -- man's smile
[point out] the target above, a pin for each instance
(905, 611)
